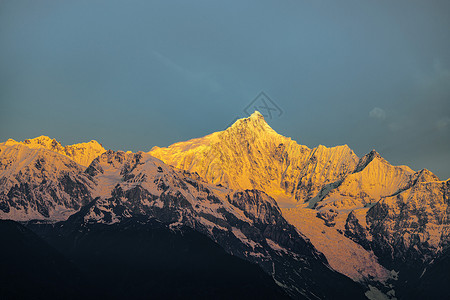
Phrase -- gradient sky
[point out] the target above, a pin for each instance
(135, 74)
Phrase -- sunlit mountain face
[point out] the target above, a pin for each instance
(240, 213)
(368, 217)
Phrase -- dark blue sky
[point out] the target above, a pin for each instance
(135, 74)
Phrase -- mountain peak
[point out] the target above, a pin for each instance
(426, 175)
(366, 159)
(254, 123)
(374, 153)
(40, 140)
(93, 144)
(10, 142)
(45, 142)
(256, 115)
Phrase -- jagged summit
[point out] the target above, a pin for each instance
(255, 123)
(81, 153)
(251, 155)
(425, 175)
(366, 159)
(304, 182)
(42, 140)
(257, 115)
(38, 142)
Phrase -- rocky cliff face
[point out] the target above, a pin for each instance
(411, 226)
(408, 231)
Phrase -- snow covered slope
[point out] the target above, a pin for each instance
(82, 153)
(343, 254)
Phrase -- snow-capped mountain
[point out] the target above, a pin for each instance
(118, 187)
(327, 193)
(251, 155)
(41, 179)
(298, 213)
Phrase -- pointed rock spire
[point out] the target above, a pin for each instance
(254, 123)
(366, 159)
(256, 115)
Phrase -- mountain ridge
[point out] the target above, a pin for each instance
(290, 170)
(335, 199)
(329, 183)
(120, 186)
(242, 144)
(81, 153)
